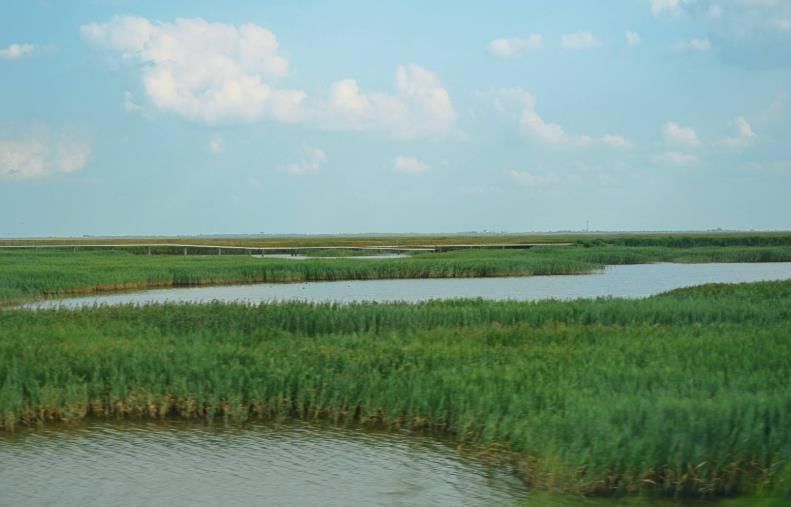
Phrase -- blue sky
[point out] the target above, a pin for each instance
(148, 117)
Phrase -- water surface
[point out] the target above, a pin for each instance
(180, 464)
(632, 281)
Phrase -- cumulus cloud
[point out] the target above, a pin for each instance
(676, 158)
(676, 134)
(579, 40)
(516, 46)
(633, 38)
(420, 106)
(42, 154)
(221, 73)
(409, 165)
(531, 121)
(529, 179)
(545, 131)
(693, 45)
(310, 163)
(17, 51)
(210, 72)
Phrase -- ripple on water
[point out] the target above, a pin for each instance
(159, 464)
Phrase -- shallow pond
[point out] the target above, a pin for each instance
(178, 463)
(181, 464)
(631, 281)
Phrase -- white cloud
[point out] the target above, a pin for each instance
(216, 144)
(530, 120)
(529, 179)
(579, 40)
(310, 163)
(676, 158)
(409, 165)
(516, 46)
(210, 72)
(17, 51)
(420, 106)
(744, 128)
(42, 154)
(71, 156)
(693, 45)
(220, 73)
(542, 130)
(672, 7)
(676, 134)
(633, 38)
(745, 135)
(616, 141)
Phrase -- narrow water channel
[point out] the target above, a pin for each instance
(633, 281)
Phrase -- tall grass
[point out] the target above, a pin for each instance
(685, 393)
(30, 274)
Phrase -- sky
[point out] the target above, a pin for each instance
(321, 117)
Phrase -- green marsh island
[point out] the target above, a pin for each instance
(683, 395)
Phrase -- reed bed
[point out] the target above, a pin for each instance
(682, 394)
(32, 274)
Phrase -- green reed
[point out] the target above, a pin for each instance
(31, 274)
(686, 393)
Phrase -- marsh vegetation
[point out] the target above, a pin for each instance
(681, 394)
(27, 274)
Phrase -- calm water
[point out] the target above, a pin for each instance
(176, 463)
(179, 464)
(619, 281)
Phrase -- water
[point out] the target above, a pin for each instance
(618, 281)
(181, 464)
